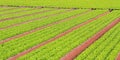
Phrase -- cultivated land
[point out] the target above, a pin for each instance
(59, 33)
(65, 3)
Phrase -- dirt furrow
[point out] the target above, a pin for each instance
(79, 49)
(11, 18)
(56, 37)
(28, 21)
(42, 27)
(18, 12)
(118, 57)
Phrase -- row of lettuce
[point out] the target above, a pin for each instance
(57, 49)
(15, 30)
(16, 46)
(105, 48)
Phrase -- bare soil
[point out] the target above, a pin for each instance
(118, 57)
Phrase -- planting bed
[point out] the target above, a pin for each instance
(52, 33)
(105, 48)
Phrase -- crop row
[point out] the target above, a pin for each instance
(1, 9)
(18, 14)
(6, 9)
(55, 50)
(105, 48)
(65, 3)
(36, 23)
(16, 46)
(21, 18)
(12, 10)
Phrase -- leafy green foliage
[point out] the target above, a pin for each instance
(106, 48)
(17, 45)
(64, 3)
(56, 49)
(27, 18)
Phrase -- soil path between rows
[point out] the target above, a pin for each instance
(28, 21)
(42, 27)
(19, 11)
(11, 18)
(79, 49)
(118, 57)
(56, 37)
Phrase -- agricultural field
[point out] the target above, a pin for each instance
(59, 32)
(65, 3)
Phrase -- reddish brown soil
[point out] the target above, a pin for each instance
(11, 18)
(54, 38)
(118, 57)
(34, 30)
(79, 49)
(28, 21)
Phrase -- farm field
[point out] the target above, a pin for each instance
(65, 3)
(106, 48)
(59, 32)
